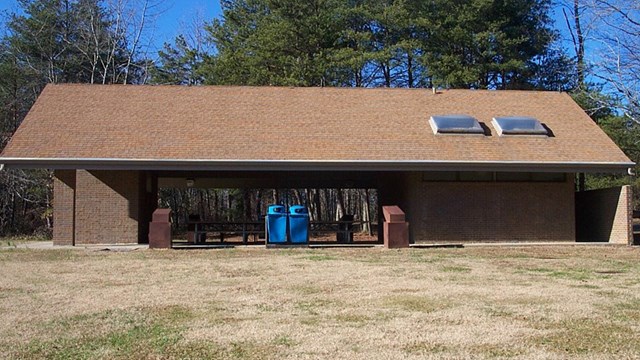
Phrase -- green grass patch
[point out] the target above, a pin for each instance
(137, 333)
(309, 320)
(425, 258)
(586, 286)
(13, 241)
(498, 311)
(626, 311)
(313, 307)
(414, 303)
(455, 269)
(33, 255)
(590, 336)
(321, 257)
(9, 292)
(306, 289)
(498, 351)
(579, 274)
(357, 319)
(266, 308)
(284, 340)
(425, 348)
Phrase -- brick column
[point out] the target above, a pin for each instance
(605, 215)
(64, 194)
(623, 229)
(107, 207)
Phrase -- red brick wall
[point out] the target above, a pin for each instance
(491, 211)
(107, 207)
(605, 215)
(64, 185)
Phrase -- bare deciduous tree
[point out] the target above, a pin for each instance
(610, 30)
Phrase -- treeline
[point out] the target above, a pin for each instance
(407, 43)
(250, 205)
(476, 44)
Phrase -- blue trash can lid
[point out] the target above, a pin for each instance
(276, 209)
(298, 209)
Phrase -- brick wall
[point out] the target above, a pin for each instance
(605, 215)
(107, 207)
(64, 185)
(491, 211)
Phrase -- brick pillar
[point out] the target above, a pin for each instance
(605, 215)
(148, 203)
(108, 207)
(64, 193)
(623, 228)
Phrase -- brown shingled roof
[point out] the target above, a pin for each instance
(176, 125)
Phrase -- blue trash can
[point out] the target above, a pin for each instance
(276, 224)
(298, 224)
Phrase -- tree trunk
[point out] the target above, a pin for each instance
(366, 213)
(580, 52)
(259, 204)
(246, 204)
(340, 204)
(296, 194)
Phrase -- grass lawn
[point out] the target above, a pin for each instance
(487, 302)
(14, 241)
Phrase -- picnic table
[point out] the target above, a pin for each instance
(226, 229)
(344, 230)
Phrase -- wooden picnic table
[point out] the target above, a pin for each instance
(343, 229)
(244, 228)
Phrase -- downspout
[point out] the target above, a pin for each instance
(1, 167)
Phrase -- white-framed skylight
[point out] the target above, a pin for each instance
(455, 124)
(518, 125)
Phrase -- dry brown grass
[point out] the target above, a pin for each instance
(15, 241)
(254, 303)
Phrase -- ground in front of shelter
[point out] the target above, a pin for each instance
(256, 303)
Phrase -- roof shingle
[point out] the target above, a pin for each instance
(317, 124)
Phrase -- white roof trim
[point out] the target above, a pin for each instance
(308, 165)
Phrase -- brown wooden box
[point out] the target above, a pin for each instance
(396, 235)
(393, 214)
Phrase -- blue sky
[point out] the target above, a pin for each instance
(176, 16)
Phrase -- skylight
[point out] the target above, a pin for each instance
(518, 125)
(455, 124)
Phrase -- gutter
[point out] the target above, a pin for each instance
(310, 165)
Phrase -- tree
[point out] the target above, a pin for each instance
(178, 64)
(617, 62)
(275, 42)
(59, 41)
(606, 37)
(408, 43)
(489, 44)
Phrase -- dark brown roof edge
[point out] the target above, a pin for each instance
(315, 165)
